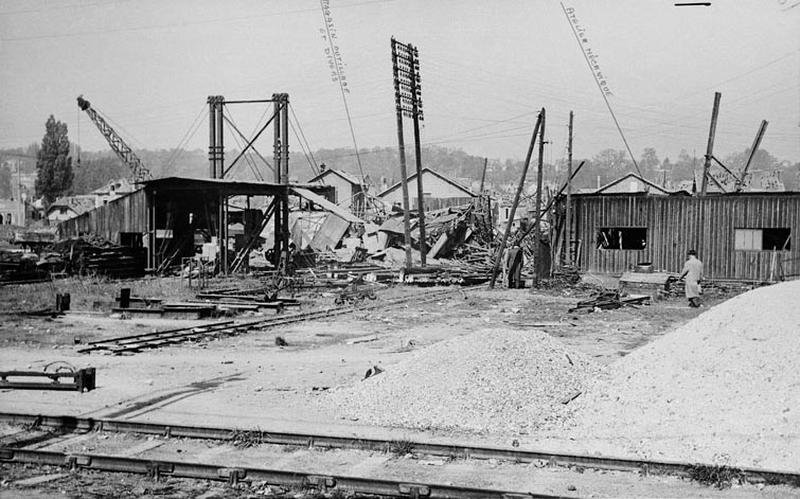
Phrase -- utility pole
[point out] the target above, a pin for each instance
(513, 211)
(568, 225)
(416, 112)
(537, 232)
(400, 108)
(408, 98)
(483, 175)
(710, 148)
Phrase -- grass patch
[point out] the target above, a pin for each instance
(719, 476)
(244, 439)
(401, 447)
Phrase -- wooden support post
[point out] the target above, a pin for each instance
(483, 175)
(537, 232)
(756, 142)
(710, 147)
(568, 215)
(513, 211)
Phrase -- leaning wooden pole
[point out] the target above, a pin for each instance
(756, 142)
(483, 175)
(513, 212)
(537, 265)
(710, 147)
(568, 226)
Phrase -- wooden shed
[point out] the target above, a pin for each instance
(745, 236)
(169, 215)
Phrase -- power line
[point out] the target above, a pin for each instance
(315, 166)
(179, 24)
(602, 92)
(186, 137)
(341, 88)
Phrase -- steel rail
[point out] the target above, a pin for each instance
(673, 468)
(161, 338)
(237, 475)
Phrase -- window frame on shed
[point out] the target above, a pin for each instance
(608, 234)
(758, 239)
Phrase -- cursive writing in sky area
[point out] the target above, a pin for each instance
(487, 68)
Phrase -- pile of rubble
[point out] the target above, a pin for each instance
(509, 381)
(719, 389)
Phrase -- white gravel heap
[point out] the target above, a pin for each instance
(723, 388)
(509, 381)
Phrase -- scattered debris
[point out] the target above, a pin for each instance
(609, 300)
(372, 371)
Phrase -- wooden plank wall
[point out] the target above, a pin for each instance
(125, 214)
(677, 224)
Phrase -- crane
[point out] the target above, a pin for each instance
(139, 172)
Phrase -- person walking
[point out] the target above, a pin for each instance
(515, 262)
(693, 272)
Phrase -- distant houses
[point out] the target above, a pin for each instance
(440, 191)
(347, 189)
(67, 207)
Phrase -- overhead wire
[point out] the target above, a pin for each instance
(303, 149)
(341, 89)
(177, 151)
(315, 166)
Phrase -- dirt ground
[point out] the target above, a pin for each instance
(247, 381)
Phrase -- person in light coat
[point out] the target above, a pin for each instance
(693, 272)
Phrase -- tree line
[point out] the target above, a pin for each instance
(60, 173)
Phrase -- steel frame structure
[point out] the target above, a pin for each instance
(217, 169)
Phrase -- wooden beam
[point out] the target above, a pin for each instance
(710, 147)
(513, 212)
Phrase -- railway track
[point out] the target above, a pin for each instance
(237, 475)
(138, 342)
(59, 425)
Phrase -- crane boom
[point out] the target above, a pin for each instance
(139, 172)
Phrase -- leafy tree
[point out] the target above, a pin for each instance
(94, 173)
(53, 163)
(649, 164)
(5, 183)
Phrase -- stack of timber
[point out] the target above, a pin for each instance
(18, 266)
(96, 256)
(247, 299)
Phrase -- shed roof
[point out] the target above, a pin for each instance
(224, 187)
(641, 179)
(348, 177)
(78, 204)
(449, 180)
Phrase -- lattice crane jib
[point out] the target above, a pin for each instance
(139, 172)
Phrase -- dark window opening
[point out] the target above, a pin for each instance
(130, 239)
(622, 238)
(780, 239)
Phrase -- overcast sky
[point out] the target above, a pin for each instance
(487, 67)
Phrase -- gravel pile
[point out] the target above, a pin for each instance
(508, 381)
(724, 388)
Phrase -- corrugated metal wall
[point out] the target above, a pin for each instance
(677, 224)
(125, 214)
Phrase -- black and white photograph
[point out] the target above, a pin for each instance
(374, 249)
